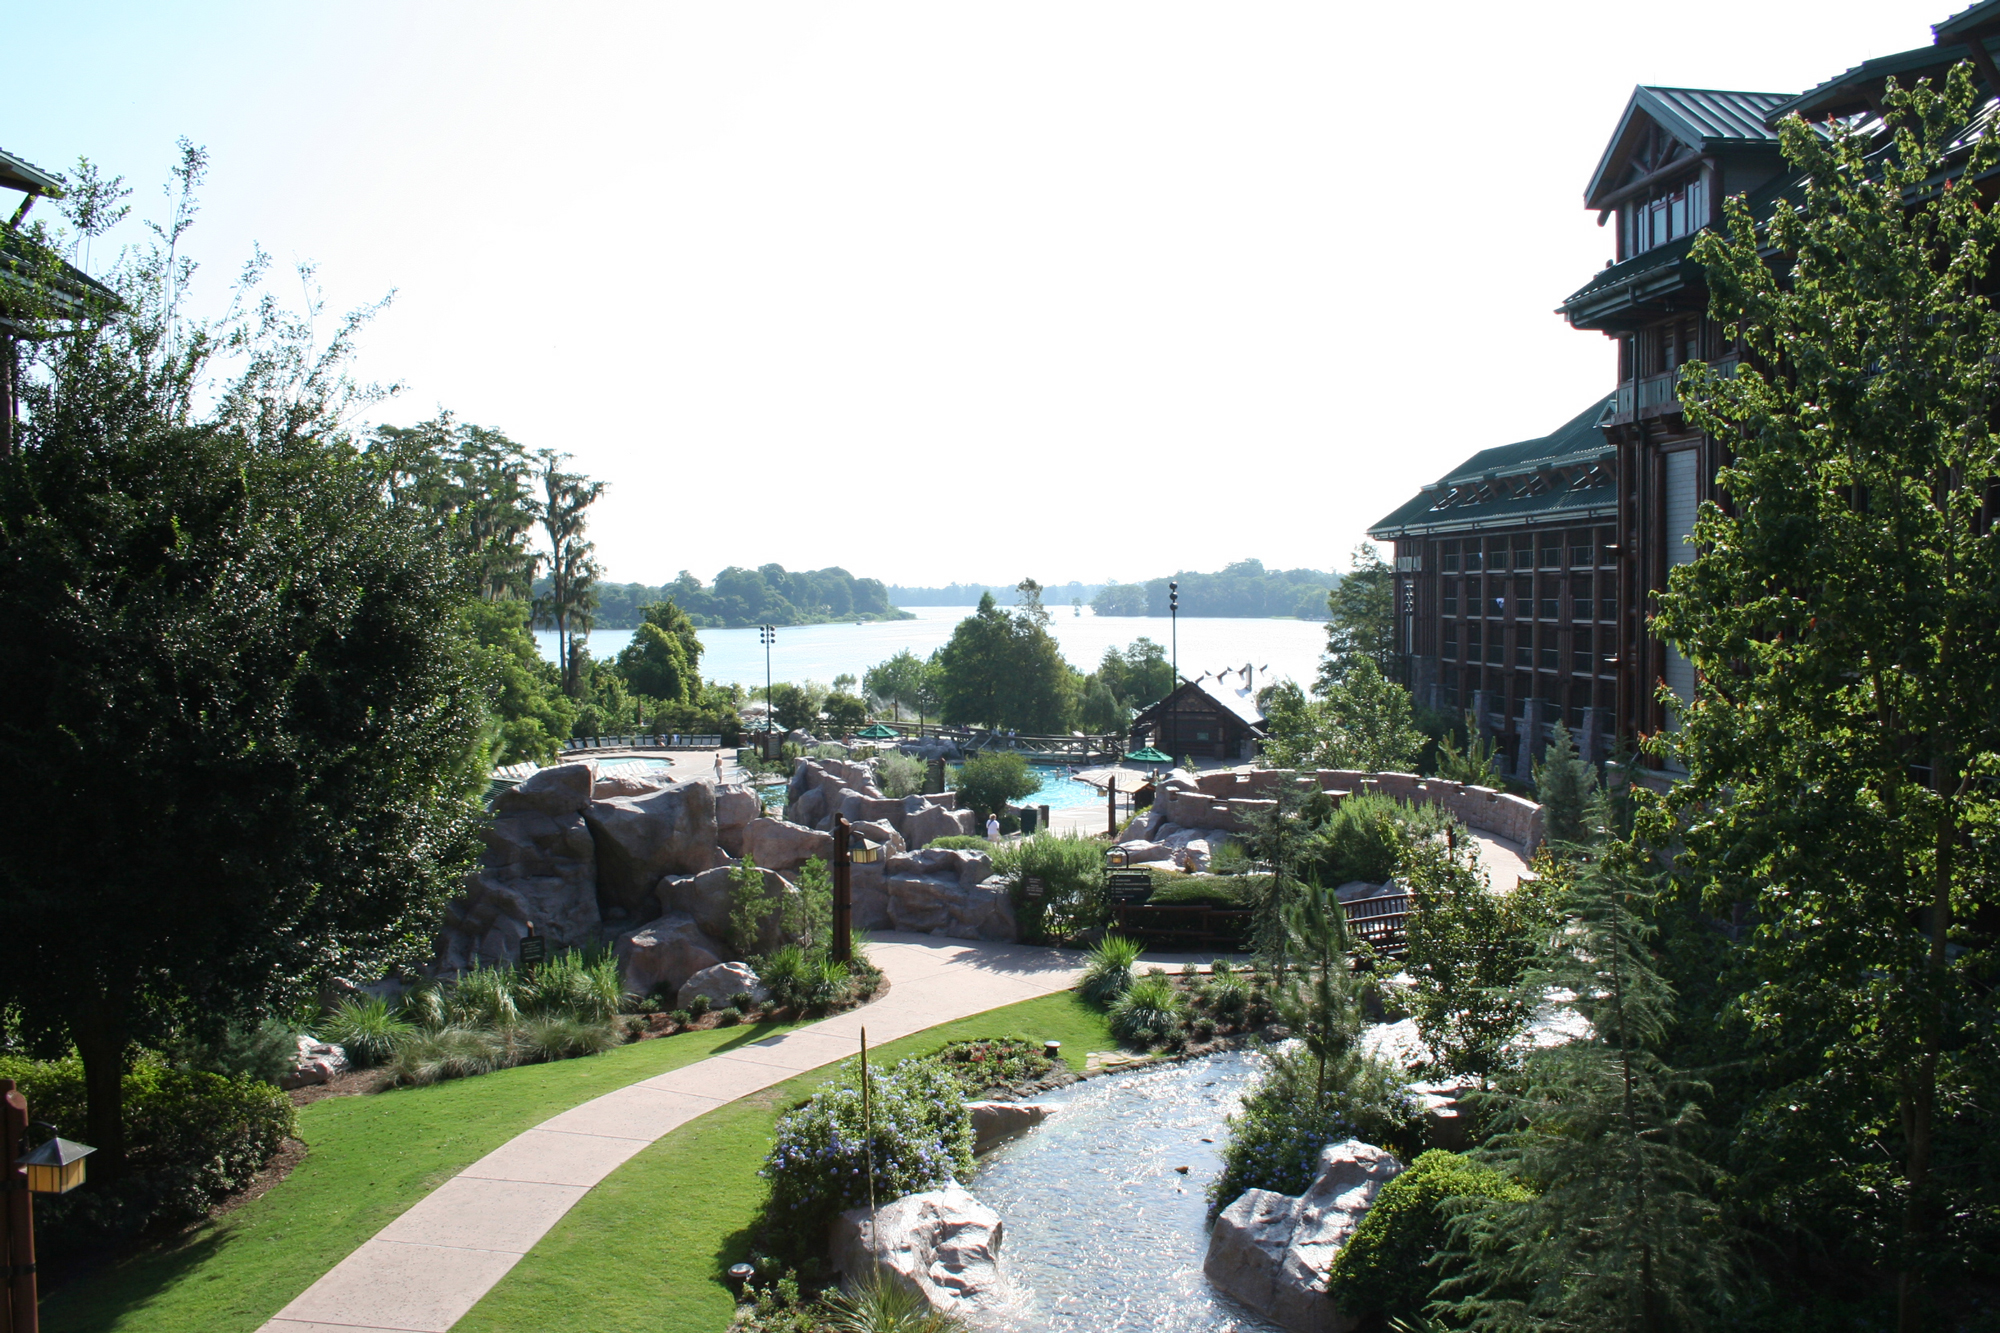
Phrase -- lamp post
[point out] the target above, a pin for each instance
(846, 855)
(768, 635)
(1174, 623)
(56, 1167)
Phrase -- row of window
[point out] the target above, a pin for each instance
(1509, 693)
(1673, 211)
(1532, 650)
(1492, 597)
(1584, 548)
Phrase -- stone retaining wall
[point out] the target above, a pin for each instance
(1228, 798)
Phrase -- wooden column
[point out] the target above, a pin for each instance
(843, 893)
(1111, 806)
(17, 1315)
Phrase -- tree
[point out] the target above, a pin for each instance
(1364, 722)
(988, 781)
(1467, 953)
(1005, 670)
(1321, 1001)
(663, 660)
(245, 716)
(1139, 676)
(1842, 740)
(1616, 1230)
(566, 497)
(845, 712)
(896, 681)
(1565, 784)
(1360, 619)
(1474, 765)
(1099, 711)
(476, 484)
(529, 715)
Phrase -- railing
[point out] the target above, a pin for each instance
(1660, 391)
(1381, 923)
(579, 744)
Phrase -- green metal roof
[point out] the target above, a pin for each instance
(17, 173)
(1986, 11)
(1556, 476)
(1702, 118)
(1841, 94)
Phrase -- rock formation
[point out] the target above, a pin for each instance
(1273, 1251)
(662, 954)
(823, 788)
(721, 984)
(993, 1123)
(942, 1244)
(942, 891)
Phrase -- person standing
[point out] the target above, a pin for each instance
(993, 828)
(718, 768)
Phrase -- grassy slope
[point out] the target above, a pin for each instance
(370, 1159)
(648, 1248)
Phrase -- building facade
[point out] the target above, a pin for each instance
(1526, 576)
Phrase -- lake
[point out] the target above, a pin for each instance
(1290, 648)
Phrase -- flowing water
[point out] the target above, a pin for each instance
(1102, 1233)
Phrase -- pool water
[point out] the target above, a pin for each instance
(1102, 1232)
(1061, 791)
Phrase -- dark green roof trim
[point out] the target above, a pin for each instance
(1986, 11)
(1498, 485)
(1842, 94)
(17, 173)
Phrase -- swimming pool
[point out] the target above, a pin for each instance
(1060, 790)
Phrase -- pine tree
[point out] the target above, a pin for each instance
(1565, 784)
(1619, 1233)
(1321, 1001)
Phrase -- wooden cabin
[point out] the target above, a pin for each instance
(1212, 717)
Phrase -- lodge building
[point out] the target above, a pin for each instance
(1525, 576)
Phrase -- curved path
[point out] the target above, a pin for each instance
(422, 1272)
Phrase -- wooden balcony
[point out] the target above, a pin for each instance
(1654, 395)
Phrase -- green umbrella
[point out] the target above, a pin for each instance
(1149, 756)
(878, 732)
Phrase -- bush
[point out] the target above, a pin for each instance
(700, 1005)
(1210, 890)
(1231, 858)
(681, 1017)
(987, 782)
(190, 1138)
(1150, 1010)
(1071, 870)
(1228, 999)
(1275, 1140)
(265, 1049)
(782, 973)
(980, 1065)
(1109, 973)
(1363, 840)
(576, 983)
(728, 1018)
(922, 1136)
(899, 775)
(367, 1029)
(961, 842)
(1391, 1263)
(743, 1002)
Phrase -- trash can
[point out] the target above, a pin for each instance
(1028, 816)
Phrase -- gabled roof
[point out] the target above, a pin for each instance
(1561, 475)
(1704, 119)
(1965, 20)
(1850, 90)
(1235, 697)
(17, 173)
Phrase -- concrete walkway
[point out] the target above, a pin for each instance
(422, 1272)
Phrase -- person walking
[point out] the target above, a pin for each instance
(993, 828)
(718, 768)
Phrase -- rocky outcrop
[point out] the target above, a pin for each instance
(539, 867)
(706, 898)
(931, 822)
(735, 806)
(942, 1244)
(778, 845)
(317, 1062)
(883, 835)
(662, 954)
(721, 984)
(940, 891)
(640, 838)
(993, 1123)
(868, 885)
(1273, 1251)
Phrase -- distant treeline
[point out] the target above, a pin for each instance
(767, 595)
(1055, 595)
(1245, 588)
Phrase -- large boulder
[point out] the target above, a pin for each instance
(943, 891)
(1273, 1251)
(1139, 851)
(993, 1123)
(538, 868)
(808, 809)
(942, 1244)
(932, 822)
(706, 898)
(869, 888)
(721, 984)
(317, 1062)
(624, 784)
(967, 867)
(735, 806)
(662, 954)
(562, 790)
(778, 845)
(671, 831)
(884, 835)
(862, 807)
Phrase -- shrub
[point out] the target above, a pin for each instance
(367, 1029)
(922, 1136)
(1275, 1140)
(700, 1005)
(561, 1038)
(899, 775)
(743, 1001)
(482, 997)
(264, 1049)
(1071, 870)
(1228, 999)
(1363, 840)
(576, 983)
(749, 907)
(1109, 973)
(431, 1055)
(1231, 858)
(1204, 1028)
(877, 1305)
(822, 984)
(986, 782)
(980, 1065)
(190, 1137)
(1221, 967)
(681, 1017)
(1210, 890)
(1391, 1262)
(728, 1018)
(1150, 1010)
(961, 842)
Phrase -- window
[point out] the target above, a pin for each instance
(1524, 648)
(1552, 552)
(1582, 551)
(1579, 591)
(1448, 597)
(1472, 633)
(1448, 642)
(1581, 661)
(1496, 553)
(1448, 558)
(1524, 553)
(1524, 598)
(1607, 608)
(1663, 215)
(1547, 656)
(1472, 564)
(1496, 648)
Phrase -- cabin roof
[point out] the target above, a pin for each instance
(17, 173)
(1704, 119)
(1845, 93)
(1231, 690)
(1558, 476)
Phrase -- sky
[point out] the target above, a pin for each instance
(932, 291)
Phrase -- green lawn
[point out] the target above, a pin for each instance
(370, 1159)
(646, 1250)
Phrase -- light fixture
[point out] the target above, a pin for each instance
(863, 852)
(57, 1166)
